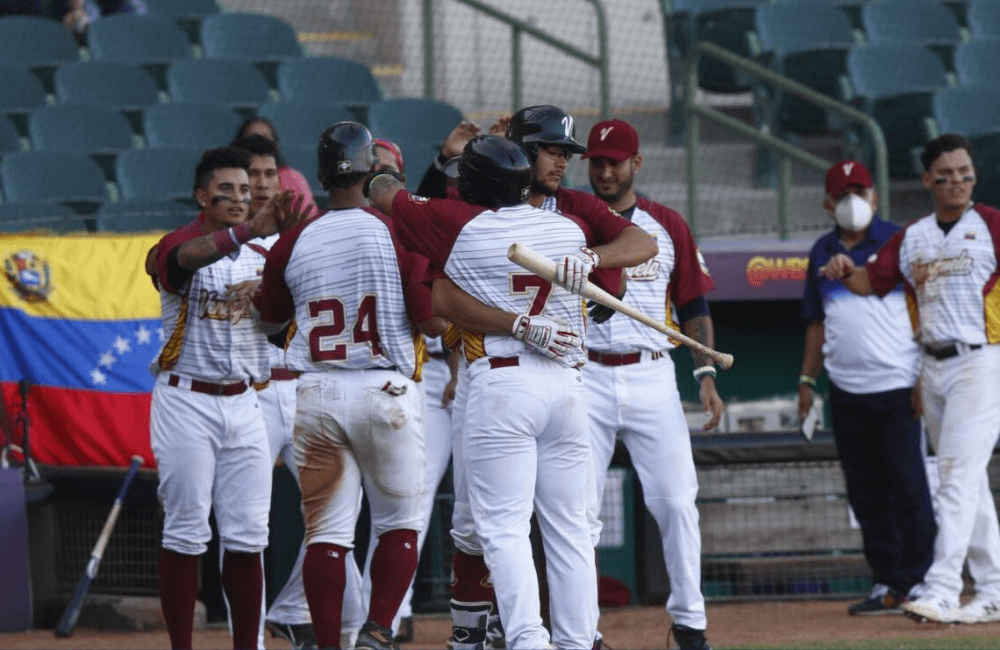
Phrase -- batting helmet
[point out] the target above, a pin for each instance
(492, 171)
(345, 152)
(544, 124)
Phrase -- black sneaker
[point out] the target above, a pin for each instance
(688, 638)
(882, 600)
(302, 637)
(374, 637)
(405, 633)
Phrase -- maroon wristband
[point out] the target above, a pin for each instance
(227, 241)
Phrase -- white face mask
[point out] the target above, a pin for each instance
(853, 213)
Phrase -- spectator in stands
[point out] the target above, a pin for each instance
(290, 179)
(389, 156)
(872, 363)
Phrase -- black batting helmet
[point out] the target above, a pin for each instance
(492, 171)
(346, 153)
(544, 124)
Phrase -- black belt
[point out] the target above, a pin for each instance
(948, 351)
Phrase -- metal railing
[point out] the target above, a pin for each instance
(784, 151)
(518, 28)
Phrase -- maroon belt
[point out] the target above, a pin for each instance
(283, 374)
(620, 359)
(222, 390)
(504, 362)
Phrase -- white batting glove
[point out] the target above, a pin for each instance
(545, 336)
(573, 270)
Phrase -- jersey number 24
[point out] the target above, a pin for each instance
(330, 311)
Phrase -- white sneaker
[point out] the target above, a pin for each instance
(932, 608)
(980, 609)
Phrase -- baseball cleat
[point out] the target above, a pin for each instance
(301, 636)
(374, 637)
(688, 638)
(931, 609)
(882, 600)
(980, 609)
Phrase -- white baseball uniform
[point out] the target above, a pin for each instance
(206, 427)
(951, 283)
(522, 435)
(632, 390)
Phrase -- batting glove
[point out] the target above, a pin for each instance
(573, 270)
(543, 335)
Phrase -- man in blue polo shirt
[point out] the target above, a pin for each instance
(872, 363)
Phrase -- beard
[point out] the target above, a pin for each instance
(610, 198)
(538, 187)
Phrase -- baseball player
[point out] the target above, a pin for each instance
(948, 264)
(631, 381)
(206, 427)
(354, 294)
(872, 362)
(515, 452)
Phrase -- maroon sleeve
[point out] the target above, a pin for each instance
(430, 226)
(273, 299)
(992, 218)
(689, 278)
(412, 271)
(168, 244)
(883, 270)
(605, 222)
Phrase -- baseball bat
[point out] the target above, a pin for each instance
(545, 268)
(72, 612)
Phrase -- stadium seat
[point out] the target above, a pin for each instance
(412, 119)
(807, 42)
(299, 124)
(142, 215)
(188, 14)
(154, 43)
(100, 132)
(265, 41)
(10, 141)
(39, 216)
(71, 179)
(236, 84)
(894, 84)
(22, 93)
(976, 62)
(125, 88)
(852, 8)
(417, 157)
(166, 174)
(971, 111)
(37, 44)
(918, 22)
(328, 80)
(189, 125)
(984, 19)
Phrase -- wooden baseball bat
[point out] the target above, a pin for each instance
(545, 268)
(68, 621)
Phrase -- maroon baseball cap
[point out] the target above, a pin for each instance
(845, 174)
(614, 139)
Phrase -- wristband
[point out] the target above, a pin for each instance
(806, 379)
(440, 161)
(704, 370)
(227, 241)
(367, 189)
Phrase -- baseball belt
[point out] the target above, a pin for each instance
(620, 359)
(947, 351)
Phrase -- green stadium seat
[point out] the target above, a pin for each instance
(918, 22)
(71, 179)
(971, 111)
(166, 174)
(413, 120)
(142, 215)
(189, 125)
(852, 8)
(125, 88)
(265, 41)
(97, 131)
(37, 44)
(984, 19)
(976, 62)
(300, 124)
(10, 141)
(154, 43)
(328, 80)
(188, 14)
(236, 84)
(417, 157)
(39, 216)
(22, 93)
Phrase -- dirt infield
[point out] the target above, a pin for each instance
(735, 625)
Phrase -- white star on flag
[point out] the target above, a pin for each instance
(121, 345)
(98, 377)
(159, 332)
(143, 335)
(107, 360)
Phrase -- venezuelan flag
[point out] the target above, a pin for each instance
(80, 321)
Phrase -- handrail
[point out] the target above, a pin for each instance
(785, 151)
(518, 27)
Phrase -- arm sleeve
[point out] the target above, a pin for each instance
(812, 301)
(413, 268)
(689, 278)
(170, 275)
(434, 184)
(883, 270)
(273, 298)
(694, 309)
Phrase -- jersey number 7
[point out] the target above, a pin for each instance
(531, 284)
(331, 311)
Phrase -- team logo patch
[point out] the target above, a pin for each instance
(30, 275)
(525, 193)
(970, 235)
(344, 166)
(418, 199)
(605, 131)
(847, 168)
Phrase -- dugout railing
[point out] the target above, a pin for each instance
(785, 152)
